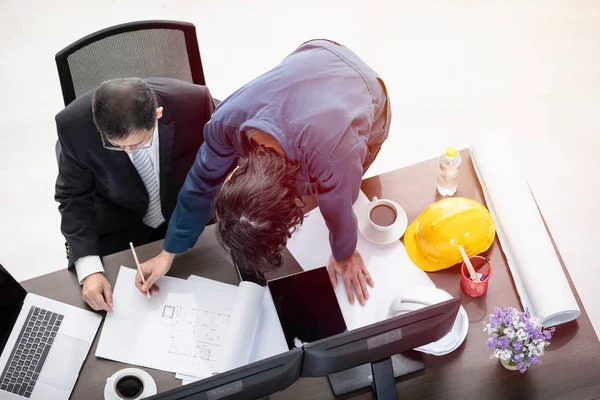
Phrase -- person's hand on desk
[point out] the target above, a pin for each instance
(97, 292)
(154, 269)
(354, 274)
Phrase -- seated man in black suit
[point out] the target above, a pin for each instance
(126, 150)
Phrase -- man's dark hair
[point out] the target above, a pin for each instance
(122, 106)
(257, 210)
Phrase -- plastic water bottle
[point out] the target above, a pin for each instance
(447, 181)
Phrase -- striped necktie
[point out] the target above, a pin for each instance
(143, 164)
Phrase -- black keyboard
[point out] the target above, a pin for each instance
(29, 354)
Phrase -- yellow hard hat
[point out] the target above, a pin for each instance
(432, 239)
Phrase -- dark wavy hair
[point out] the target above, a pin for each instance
(257, 209)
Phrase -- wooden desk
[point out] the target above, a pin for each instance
(571, 365)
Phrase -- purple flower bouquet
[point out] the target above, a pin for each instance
(517, 338)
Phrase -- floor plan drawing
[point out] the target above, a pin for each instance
(182, 329)
(194, 333)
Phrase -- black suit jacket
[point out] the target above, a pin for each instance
(99, 190)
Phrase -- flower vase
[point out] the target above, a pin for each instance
(507, 366)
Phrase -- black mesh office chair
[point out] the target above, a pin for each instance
(140, 49)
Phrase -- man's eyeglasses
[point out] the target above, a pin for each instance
(109, 146)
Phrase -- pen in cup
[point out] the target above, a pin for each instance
(487, 260)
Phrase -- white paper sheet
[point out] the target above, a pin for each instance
(179, 330)
(214, 285)
(242, 327)
(268, 339)
(389, 265)
(538, 275)
(187, 379)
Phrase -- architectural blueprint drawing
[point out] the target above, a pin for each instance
(194, 332)
(181, 329)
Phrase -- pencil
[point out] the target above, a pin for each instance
(467, 261)
(137, 262)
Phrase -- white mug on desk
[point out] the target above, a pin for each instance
(383, 214)
(383, 222)
(129, 384)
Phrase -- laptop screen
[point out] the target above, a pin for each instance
(12, 296)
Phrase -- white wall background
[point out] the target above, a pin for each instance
(528, 69)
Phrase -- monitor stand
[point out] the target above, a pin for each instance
(385, 372)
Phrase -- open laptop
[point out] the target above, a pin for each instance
(43, 343)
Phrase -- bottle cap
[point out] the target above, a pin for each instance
(451, 151)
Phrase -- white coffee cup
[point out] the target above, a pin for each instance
(111, 391)
(388, 207)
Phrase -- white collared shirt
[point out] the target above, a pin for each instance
(89, 265)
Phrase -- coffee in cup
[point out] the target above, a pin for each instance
(383, 215)
(129, 387)
(385, 221)
(129, 384)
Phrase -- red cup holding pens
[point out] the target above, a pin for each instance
(475, 288)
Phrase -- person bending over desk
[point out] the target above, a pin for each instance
(310, 126)
(126, 150)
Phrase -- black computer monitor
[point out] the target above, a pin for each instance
(350, 357)
(251, 381)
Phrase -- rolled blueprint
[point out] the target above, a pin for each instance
(537, 272)
(239, 337)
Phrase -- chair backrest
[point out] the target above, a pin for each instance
(140, 49)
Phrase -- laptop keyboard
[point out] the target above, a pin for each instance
(29, 353)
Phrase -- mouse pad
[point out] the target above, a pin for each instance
(307, 307)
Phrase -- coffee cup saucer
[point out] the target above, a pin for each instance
(395, 231)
